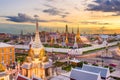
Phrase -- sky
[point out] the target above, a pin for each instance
(91, 16)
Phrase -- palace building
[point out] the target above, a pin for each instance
(7, 53)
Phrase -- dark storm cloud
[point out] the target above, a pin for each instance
(105, 5)
(94, 22)
(25, 18)
(51, 10)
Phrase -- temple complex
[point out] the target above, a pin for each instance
(37, 62)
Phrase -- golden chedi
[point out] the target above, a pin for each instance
(66, 40)
(77, 37)
(66, 36)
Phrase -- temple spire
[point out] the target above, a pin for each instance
(72, 31)
(77, 37)
(66, 33)
(57, 31)
(37, 25)
(78, 32)
(66, 40)
(37, 41)
(66, 29)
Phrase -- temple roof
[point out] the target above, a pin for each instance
(104, 72)
(35, 78)
(37, 42)
(2, 68)
(84, 75)
(21, 77)
(27, 65)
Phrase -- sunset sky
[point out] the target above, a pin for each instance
(89, 15)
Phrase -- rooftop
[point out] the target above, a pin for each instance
(84, 75)
(5, 45)
(104, 72)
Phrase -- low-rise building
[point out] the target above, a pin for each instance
(7, 53)
(77, 74)
(104, 72)
(89, 72)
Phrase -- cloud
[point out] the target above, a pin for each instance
(52, 11)
(117, 14)
(105, 5)
(55, 11)
(76, 8)
(50, 0)
(47, 5)
(94, 22)
(59, 21)
(21, 17)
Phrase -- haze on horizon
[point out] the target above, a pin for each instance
(89, 15)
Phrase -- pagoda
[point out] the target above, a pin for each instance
(77, 37)
(66, 36)
(37, 62)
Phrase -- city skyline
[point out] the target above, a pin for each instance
(87, 14)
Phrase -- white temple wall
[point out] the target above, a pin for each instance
(63, 50)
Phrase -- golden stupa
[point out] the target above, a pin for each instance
(77, 37)
(52, 41)
(66, 35)
(66, 40)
